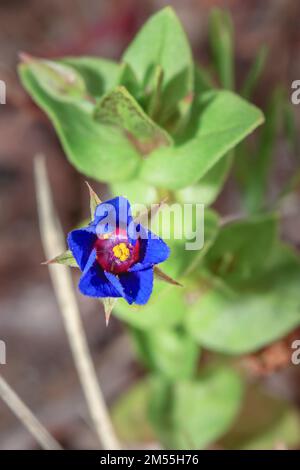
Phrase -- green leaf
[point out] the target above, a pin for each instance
(101, 152)
(192, 414)
(284, 432)
(165, 308)
(118, 108)
(254, 73)
(129, 415)
(155, 98)
(65, 258)
(127, 79)
(136, 191)
(99, 75)
(58, 80)
(266, 309)
(221, 36)
(211, 229)
(208, 188)
(162, 42)
(220, 120)
(182, 261)
(236, 254)
(171, 353)
(264, 422)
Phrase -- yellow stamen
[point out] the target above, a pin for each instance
(121, 251)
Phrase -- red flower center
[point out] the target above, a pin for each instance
(115, 253)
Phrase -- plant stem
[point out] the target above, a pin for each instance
(18, 407)
(53, 243)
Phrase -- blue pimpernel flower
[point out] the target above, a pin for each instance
(117, 255)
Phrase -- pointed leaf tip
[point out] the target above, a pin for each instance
(159, 274)
(108, 304)
(65, 258)
(94, 199)
(25, 58)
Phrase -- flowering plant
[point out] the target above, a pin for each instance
(158, 125)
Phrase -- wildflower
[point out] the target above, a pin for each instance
(116, 255)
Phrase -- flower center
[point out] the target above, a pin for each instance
(121, 251)
(115, 253)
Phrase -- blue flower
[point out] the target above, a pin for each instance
(117, 255)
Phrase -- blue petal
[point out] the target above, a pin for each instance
(94, 283)
(114, 280)
(153, 250)
(113, 214)
(91, 260)
(81, 243)
(135, 287)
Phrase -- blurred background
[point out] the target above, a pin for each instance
(39, 364)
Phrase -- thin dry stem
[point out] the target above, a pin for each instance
(18, 407)
(54, 242)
